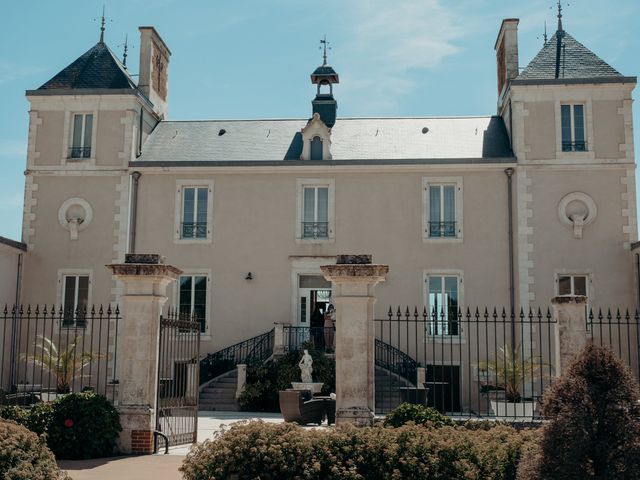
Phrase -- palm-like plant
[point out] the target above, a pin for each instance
(511, 369)
(66, 364)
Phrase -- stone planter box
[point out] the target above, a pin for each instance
(504, 409)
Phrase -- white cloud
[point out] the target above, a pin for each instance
(13, 148)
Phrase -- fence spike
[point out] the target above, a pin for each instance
(5, 310)
(609, 315)
(407, 314)
(117, 310)
(495, 314)
(548, 313)
(486, 314)
(389, 314)
(504, 314)
(477, 315)
(415, 313)
(626, 316)
(424, 313)
(399, 313)
(618, 315)
(539, 314)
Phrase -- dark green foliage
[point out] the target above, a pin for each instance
(265, 381)
(286, 451)
(594, 429)
(25, 456)
(418, 414)
(78, 425)
(83, 425)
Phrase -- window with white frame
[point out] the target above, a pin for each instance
(315, 220)
(443, 305)
(192, 297)
(442, 208)
(75, 299)
(81, 136)
(573, 285)
(572, 119)
(195, 202)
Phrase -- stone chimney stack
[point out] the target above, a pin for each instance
(154, 69)
(506, 48)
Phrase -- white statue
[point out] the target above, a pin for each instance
(306, 368)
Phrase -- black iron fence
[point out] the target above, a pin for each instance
(254, 350)
(483, 362)
(316, 338)
(178, 365)
(46, 351)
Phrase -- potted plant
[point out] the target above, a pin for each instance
(66, 364)
(509, 372)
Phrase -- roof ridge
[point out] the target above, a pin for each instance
(438, 117)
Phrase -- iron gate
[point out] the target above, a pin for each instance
(178, 378)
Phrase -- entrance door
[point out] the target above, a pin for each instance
(314, 296)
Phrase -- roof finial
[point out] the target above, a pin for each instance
(559, 16)
(545, 32)
(102, 26)
(126, 48)
(324, 43)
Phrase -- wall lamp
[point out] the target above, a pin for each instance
(249, 276)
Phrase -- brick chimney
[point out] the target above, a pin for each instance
(154, 69)
(506, 48)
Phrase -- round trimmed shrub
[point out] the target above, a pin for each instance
(83, 425)
(287, 451)
(418, 414)
(25, 456)
(15, 413)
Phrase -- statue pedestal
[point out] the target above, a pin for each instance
(314, 387)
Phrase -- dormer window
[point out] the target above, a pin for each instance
(316, 148)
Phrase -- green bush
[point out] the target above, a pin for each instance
(286, 451)
(15, 413)
(265, 381)
(25, 456)
(39, 417)
(594, 427)
(83, 425)
(418, 414)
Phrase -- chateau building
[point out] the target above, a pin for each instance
(508, 209)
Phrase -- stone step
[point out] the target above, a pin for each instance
(219, 407)
(219, 389)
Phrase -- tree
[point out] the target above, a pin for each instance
(594, 428)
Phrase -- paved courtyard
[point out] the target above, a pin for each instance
(157, 467)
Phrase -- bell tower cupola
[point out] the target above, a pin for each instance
(324, 77)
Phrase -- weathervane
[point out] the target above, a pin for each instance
(126, 49)
(324, 45)
(544, 35)
(103, 22)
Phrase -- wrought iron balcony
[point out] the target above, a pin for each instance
(80, 152)
(194, 230)
(315, 229)
(574, 146)
(442, 229)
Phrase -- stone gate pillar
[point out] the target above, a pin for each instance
(145, 281)
(354, 278)
(569, 312)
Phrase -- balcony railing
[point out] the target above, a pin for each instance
(315, 229)
(194, 230)
(442, 229)
(574, 146)
(80, 152)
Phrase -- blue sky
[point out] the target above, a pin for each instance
(252, 59)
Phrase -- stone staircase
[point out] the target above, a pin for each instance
(387, 393)
(220, 394)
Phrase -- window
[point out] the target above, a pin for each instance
(75, 300)
(442, 209)
(81, 139)
(315, 222)
(572, 125)
(443, 305)
(572, 285)
(316, 148)
(194, 212)
(193, 298)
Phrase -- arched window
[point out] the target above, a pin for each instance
(316, 148)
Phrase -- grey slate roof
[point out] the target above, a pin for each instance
(13, 243)
(393, 139)
(577, 62)
(97, 68)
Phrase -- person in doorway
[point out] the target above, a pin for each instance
(329, 327)
(317, 324)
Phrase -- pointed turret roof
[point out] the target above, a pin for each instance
(576, 62)
(97, 68)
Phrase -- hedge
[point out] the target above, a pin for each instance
(286, 451)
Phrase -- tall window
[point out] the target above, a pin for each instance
(193, 298)
(316, 148)
(443, 305)
(315, 222)
(442, 211)
(572, 285)
(572, 121)
(194, 212)
(75, 300)
(82, 132)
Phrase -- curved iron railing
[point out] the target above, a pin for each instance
(253, 350)
(395, 361)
